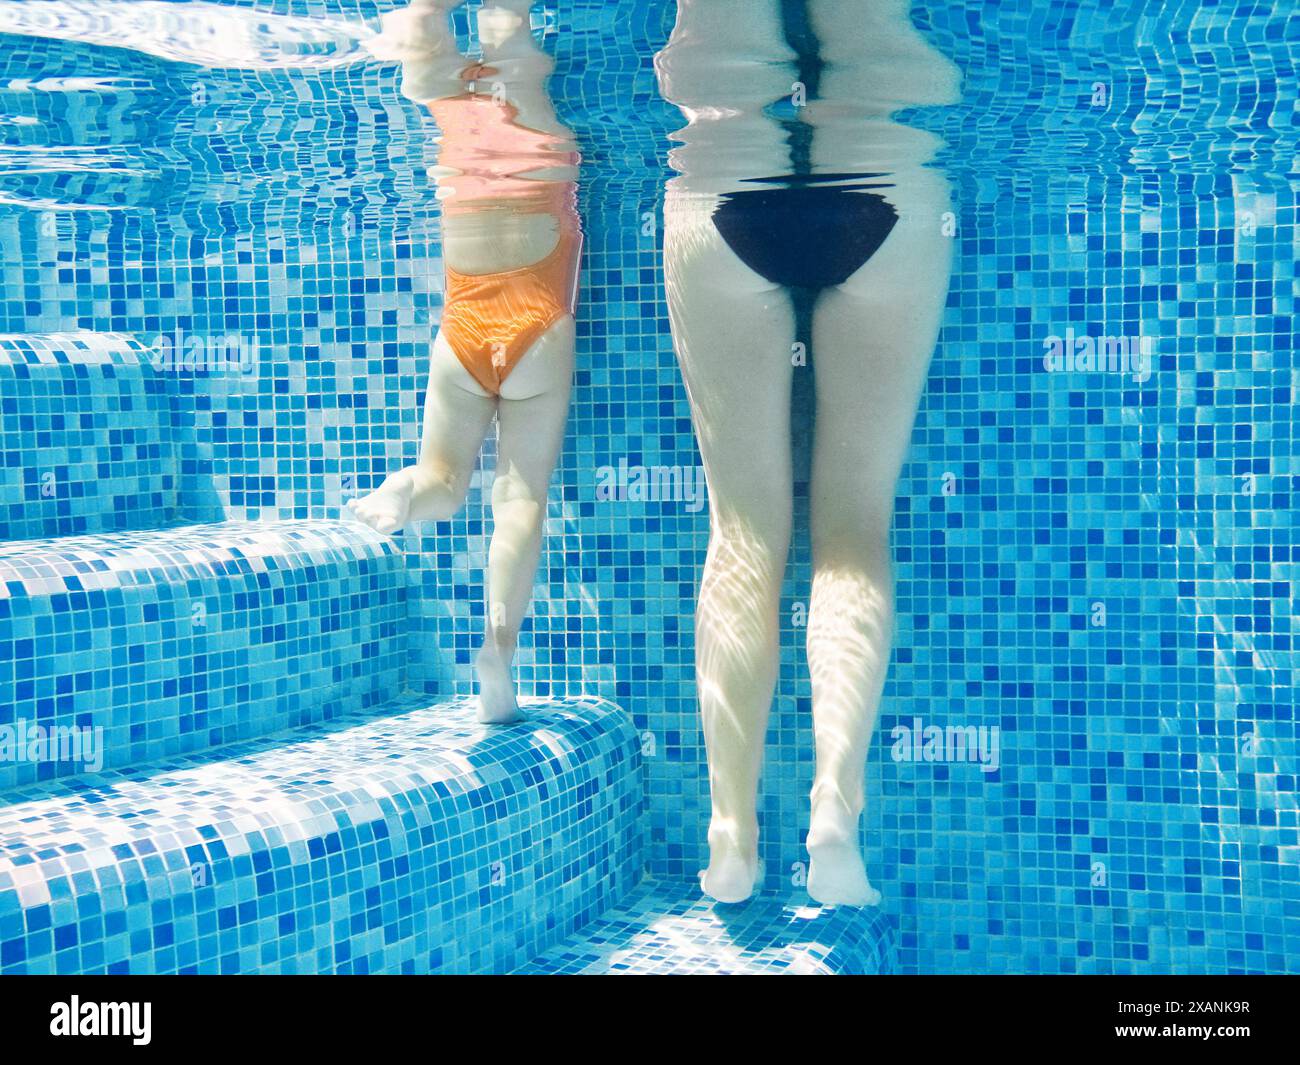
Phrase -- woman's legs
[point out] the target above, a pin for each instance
(872, 340)
(733, 334)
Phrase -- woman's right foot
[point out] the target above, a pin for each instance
(837, 876)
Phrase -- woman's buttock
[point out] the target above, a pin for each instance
(698, 263)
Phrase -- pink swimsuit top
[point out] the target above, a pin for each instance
(491, 152)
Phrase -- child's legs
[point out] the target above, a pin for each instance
(457, 413)
(530, 435)
(531, 414)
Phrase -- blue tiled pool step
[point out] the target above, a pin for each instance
(668, 928)
(410, 839)
(160, 642)
(85, 438)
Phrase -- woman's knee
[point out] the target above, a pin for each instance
(752, 550)
(852, 534)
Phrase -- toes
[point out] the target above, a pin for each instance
(369, 514)
(381, 518)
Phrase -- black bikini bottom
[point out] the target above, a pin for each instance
(804, 237)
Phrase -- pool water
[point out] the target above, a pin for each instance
(1096, 562)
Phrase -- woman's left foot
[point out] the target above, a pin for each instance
(731, 877)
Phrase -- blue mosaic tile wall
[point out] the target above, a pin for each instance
(85, 442)
(1102, 568)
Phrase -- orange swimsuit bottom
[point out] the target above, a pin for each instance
(491, 320)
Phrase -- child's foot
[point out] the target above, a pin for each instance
(416, 493)
(496, 690)
(388, 507)
(838, 877)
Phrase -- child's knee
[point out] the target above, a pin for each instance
(515, 502)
